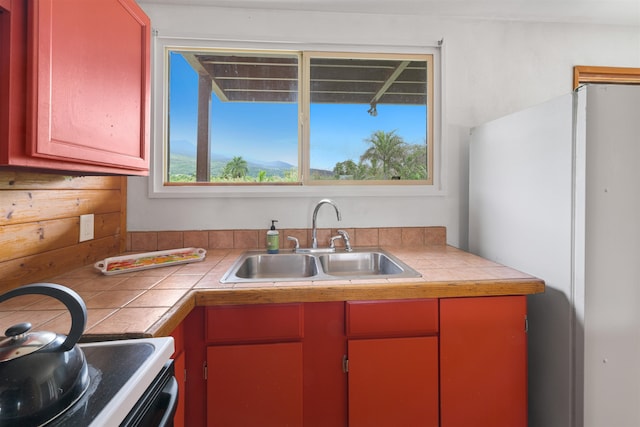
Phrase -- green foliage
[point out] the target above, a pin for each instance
(183, 177)
(385, 154)
(261, 177)
(345, 170)
(236, 168)
(387, 157)
(415, 162)
(182, 169)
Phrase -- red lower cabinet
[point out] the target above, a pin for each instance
(483, 362)
(254, 365)
(393, 382)
(255, 385)
(325, 383)
(453, 362)
(393, 363)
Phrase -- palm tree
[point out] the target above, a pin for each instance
(387, 149)
(236, 168)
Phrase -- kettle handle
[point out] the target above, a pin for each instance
(68, 297)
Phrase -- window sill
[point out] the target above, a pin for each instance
(161, 191)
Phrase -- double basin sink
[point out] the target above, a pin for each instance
(257, 266)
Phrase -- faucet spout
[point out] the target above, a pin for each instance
(314, 231)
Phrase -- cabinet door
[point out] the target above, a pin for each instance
(254, 385)
(483, 362)
(324, 346)
(393, 382)
(89, 84)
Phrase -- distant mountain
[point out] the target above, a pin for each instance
(184, 152)
(181, 164)
(274, 164)
(183, 147)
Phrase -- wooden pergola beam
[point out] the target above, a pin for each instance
(203, 158)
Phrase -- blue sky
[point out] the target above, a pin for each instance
(268, 132)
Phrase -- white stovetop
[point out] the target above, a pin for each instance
(118, 408)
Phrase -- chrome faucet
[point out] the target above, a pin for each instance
(314, 232)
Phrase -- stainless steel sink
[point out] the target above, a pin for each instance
(362, 263)
(272, 266)
(359, 264)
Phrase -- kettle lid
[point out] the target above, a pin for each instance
(70, 298)
(20, 342)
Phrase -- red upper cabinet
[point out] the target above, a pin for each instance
(87, 86)
(13, 39)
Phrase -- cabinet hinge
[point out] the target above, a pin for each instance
(204, 370)
(184, 380)
(526, 324)
(345, 364)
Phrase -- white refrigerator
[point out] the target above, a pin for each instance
(554, 191)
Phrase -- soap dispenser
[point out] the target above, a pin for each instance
(273, 238)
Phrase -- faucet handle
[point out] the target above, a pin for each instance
(332, 243)
(347, 242)
(295, 240)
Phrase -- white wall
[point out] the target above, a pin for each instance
(491, 68)
(521, 194)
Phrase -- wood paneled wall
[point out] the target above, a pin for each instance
(40, 223)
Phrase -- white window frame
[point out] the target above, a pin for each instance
(160, 84)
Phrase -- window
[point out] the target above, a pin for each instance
(233, 117)
(290, 118)
(368, 117)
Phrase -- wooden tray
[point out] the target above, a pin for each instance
(147, 260)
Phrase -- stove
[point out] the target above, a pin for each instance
(126, 378)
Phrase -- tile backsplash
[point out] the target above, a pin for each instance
(138, 241)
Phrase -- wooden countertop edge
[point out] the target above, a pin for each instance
(324, 293)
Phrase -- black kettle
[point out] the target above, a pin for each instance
(42, 373)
